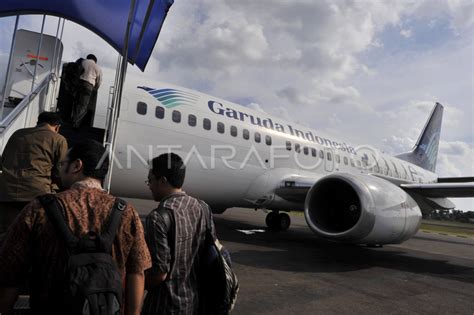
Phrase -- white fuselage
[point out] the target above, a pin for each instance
(226, 165)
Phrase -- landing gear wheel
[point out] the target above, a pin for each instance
(278, 221)
(272, 220)
(284, 221)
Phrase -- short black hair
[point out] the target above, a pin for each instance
(92, 57)
(94, 157)
(50, 118)
(171, 166)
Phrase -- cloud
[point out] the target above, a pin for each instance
(458, 148)
(396, 145)
(256, 107)
(455, 159)
(406, 33)
(462, 14)
(269, 44)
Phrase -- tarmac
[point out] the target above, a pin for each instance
(295, 272)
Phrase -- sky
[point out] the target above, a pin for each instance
(363, 71)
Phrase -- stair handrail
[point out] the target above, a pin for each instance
(10, 118)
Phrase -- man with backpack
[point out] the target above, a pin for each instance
(177, 233)
(83, 250)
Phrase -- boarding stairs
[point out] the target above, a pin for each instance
(42, 98)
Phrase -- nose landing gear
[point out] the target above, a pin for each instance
(278, 221)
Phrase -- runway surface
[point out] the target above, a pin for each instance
(294, 272)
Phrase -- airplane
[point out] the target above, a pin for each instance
(239, 157)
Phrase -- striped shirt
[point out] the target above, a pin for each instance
(178, 294)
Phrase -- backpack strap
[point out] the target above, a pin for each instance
(208, 215)
(53, 210)
(165, 214)
(168, 218)
(113, 223)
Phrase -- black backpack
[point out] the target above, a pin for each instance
(92, 283)
(218, 285)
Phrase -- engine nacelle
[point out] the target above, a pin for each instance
(361, 209)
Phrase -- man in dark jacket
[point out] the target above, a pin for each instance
(30, 166)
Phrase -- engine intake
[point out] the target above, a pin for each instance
(361, 209)
(339, 207)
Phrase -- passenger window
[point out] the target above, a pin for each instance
(206, 123)
(338, 159)
(268, 140)
(346, 160)
(176, 116)
(159, 112)
(297, 148)
(258, 137)
(306, 150)
(313, 152)
(329, 155)
(141, 108)
(192, 120)
(220, 127)
(233, 131)
(288, 145)
(321, 154)
(246, 134)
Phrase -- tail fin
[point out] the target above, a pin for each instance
(425, 152)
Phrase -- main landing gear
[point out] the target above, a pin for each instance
(278, 221)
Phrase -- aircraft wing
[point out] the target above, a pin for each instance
(455, 179)
(441, 190)
(295, 188)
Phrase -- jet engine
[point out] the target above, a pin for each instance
(361, 209)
